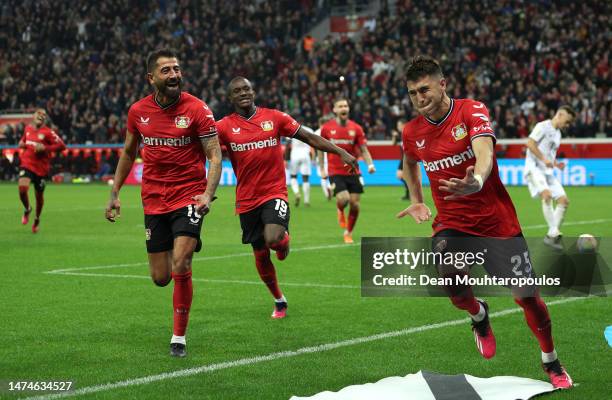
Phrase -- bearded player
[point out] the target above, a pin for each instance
(178, 134)
(252, 136)
(454, 140)
(38, 142)
(346, 183)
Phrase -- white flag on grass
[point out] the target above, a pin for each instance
(426, 385)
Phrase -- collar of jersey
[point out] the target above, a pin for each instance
(168, 105)
(252, 115)
(450, 110)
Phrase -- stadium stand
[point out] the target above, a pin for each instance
(83, 62)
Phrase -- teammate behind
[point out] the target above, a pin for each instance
(345, 183)
(252, 137)
(455, 141)
(540, 162)
(178, 134)
(38, 142)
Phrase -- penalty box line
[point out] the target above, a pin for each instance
(249, 361)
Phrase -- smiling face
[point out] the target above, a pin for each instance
(241, 93)
(40, 117)
(427, 95)
(166, 77)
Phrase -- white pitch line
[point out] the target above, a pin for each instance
(571, 223)
(203, 369)
(241, 282)
(299, 249)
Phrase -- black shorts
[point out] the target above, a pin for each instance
(340, 183)
(37, 180)
(162, 229)
(503, 258)
(275, 211)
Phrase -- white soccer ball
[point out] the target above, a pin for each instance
(586, 243)
(110, 182)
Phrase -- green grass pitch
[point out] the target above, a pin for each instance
(111, 324)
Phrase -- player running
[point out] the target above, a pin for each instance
(346, 183)
(178, 134)
(454, 140)
(540, 162)
(252, 137)
(38, 142)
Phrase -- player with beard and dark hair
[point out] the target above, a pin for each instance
(346, 184)
(455, 141)
(38, 142)
(253, 139)
(178, 133)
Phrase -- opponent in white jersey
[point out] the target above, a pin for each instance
(299, 162)
(540, 162)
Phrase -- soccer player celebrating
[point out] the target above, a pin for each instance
(252, 137)
(178, 134)
(540, 161)
(38, 142)
(346, 183)
(454, 140)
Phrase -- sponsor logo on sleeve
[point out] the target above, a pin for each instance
(182, 122)
(459, 132)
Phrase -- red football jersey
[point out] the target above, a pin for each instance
(174, 161)
(445, 149)
(254, 148)
(39, 162)
(349, 137)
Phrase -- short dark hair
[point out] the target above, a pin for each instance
(569, 110)
(156, 55)
(422, 66)
(339, 99)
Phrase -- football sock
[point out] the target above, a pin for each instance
(178, 339)
(181, 300)
(480, 315)
(558, 214)
(547, 210)
(306, 190)
(324, 186)
(23, 196)
(463, 298)
(294, 186)
(352, 218)
(538, 320)
(266, 271)
(40, 201)
(282, 299)
(281, 245)
(549, 357)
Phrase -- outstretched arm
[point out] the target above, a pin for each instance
(475, 176)
(124, 166)
(412, 175)
(306, 135)
(367, 158)
(213, 154)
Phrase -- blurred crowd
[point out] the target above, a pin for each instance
(84, 164)
(84, 61)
